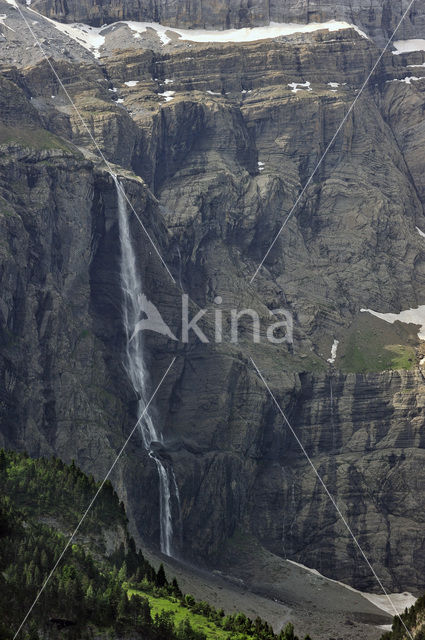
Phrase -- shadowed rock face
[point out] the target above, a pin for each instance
(190, 167)
(378, 17)
(373, 465)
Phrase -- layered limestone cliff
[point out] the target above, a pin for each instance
(378, 17)
(213, 143)
(364, 434)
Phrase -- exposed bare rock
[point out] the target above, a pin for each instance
(214, 143)
(378, 17)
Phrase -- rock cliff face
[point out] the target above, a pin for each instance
(212, 170)
(378, 17)
(364, 434)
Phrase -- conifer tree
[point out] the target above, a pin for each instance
(161, 580)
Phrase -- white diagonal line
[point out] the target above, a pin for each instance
(325, 153)
(93, 501)
(109, 167)
(86, 127)
(330, 496)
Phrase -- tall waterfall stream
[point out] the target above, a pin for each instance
(135, 365)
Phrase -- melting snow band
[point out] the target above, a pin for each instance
(93, 38)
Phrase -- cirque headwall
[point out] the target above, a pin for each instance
(212, 143)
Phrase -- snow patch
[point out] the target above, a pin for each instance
(92, 38)
(299, 86)
(120, 100)
(168, 95)
(273, 30)
(334, 85)
(88, 37)
(3, 17)
(406, 46)
(141, 27)
(410, 316)
(168, 81)
(334, 348)
(213, 93)
(132, 83)
(260, 166)
(408, 80)
(399, 600)
(421, 233)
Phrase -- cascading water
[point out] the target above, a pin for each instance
(137, 371)
(332, 412)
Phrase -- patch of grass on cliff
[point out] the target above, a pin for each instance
(33, 138)
(180, 612)
(373, 345)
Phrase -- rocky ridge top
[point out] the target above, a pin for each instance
(378, 17)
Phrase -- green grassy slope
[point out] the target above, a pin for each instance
(372, 344)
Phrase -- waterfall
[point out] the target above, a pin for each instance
(136, 369)
(332, 412)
